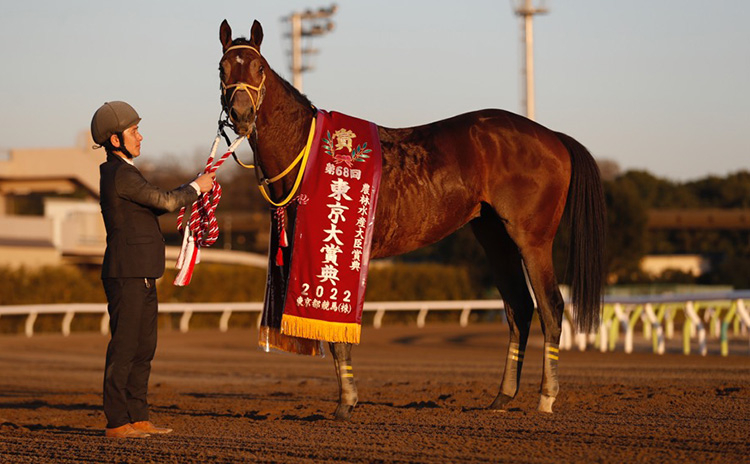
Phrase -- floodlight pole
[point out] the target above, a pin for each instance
(296, 19)
(526, 10)
(297, 51)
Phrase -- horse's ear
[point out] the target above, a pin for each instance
(256, 34)
(225, 34)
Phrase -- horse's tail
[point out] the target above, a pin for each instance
(586, 211)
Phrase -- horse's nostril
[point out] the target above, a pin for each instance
(240, 115)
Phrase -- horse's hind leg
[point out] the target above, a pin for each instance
(507, 269)
(550, 304)
(342, 360)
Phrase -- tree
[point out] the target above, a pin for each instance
(626, 228)
(609, 169)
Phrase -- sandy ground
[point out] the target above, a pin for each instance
(422, 397)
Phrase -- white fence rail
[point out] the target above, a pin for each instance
(704, 316)
(227, 309)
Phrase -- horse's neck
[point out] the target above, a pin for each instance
(283, 125)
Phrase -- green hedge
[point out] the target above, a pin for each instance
(407, 281)
(230, 283)
(50, 285)
(213, 283)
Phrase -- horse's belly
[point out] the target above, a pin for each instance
(404, 223)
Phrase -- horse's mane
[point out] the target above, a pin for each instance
(299, 96)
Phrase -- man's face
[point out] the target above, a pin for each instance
(131, 139)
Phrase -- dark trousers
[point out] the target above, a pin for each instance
(132, 307)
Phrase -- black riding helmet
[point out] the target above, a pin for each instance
(112, 118)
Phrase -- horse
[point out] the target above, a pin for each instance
(510, 178)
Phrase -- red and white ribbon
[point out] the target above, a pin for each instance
(201, 229)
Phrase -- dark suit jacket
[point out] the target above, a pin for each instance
(130, 206)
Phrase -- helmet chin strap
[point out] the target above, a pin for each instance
(122, 148)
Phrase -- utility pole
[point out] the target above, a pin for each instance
(526, 10)
(301, 27)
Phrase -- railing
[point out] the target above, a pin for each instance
(703, 315)
(226, 310)
(657, 314)
(70, 310)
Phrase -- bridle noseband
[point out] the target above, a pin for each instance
(259, 89)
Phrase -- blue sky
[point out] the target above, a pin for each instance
(655, 85)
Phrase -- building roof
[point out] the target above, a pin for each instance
(52, 169)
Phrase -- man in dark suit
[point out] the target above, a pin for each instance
(133, 260)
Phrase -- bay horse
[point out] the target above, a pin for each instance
(508, 177)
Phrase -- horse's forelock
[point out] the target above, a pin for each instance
(240, 41)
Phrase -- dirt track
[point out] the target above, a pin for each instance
(422, 393)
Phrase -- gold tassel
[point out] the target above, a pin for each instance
(337, 332)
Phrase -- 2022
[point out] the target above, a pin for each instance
(320, 291)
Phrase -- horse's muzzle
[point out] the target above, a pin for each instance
(244, 123)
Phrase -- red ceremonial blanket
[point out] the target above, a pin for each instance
(320, 284)
(333, 231)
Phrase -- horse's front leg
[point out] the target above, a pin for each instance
(342, 360)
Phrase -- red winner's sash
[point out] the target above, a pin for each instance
(333, 231)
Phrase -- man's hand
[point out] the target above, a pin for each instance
(205, 181)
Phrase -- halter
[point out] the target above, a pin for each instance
(242, 85)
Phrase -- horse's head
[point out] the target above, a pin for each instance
(242, 74)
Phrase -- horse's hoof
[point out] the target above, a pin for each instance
(500, 402)
(343, 412)
(545, 403)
